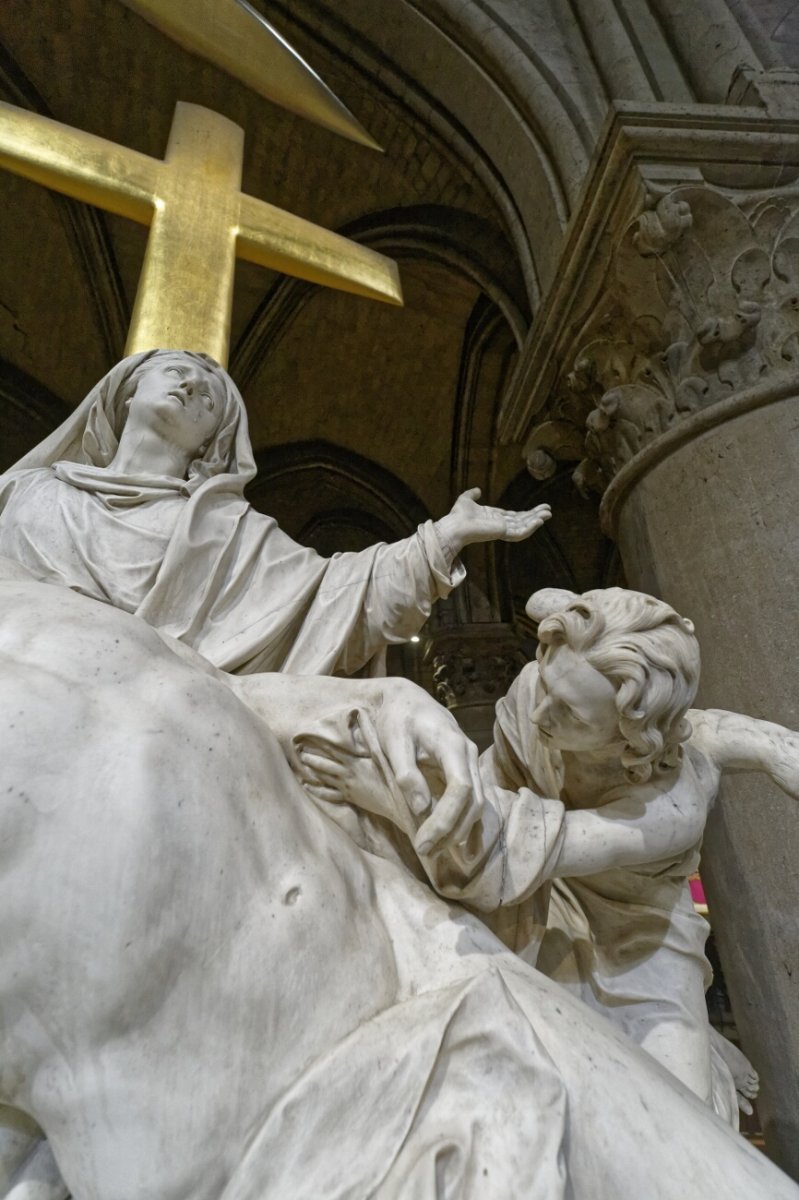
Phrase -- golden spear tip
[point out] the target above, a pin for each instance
(231, 34)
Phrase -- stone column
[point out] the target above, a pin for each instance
(669, 351)
(711, 523)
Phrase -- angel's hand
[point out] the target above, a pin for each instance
(409, 761)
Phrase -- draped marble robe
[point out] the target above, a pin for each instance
(192, 558)
(626, 940)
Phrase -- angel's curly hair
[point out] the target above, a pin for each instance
(646, 650)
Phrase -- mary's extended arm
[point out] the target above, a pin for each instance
(239, 590)
(235, 587)
(365, 601)
(371, 599)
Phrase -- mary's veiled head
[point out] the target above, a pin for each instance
(91, 435)
(224, 450)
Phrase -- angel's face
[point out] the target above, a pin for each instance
(575, 703)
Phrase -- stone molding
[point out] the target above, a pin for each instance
(677, 305)
(361, 484)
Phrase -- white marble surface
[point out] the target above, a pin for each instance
(137, 500)
(602, 721)
(213, 986)
(596, 794)
(217, 994)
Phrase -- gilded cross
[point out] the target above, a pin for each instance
(199, 219)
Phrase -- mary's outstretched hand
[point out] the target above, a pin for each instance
(469, 522)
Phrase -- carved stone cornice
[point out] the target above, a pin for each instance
(677, 305)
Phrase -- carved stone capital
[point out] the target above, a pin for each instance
(473, 665)
(678, 297)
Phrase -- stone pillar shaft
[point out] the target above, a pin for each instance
(713, 527)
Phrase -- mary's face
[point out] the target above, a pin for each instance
(179, 399)
(575, 704)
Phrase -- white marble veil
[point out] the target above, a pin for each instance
(90, 435)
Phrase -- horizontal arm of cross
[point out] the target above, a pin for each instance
(200, 221)
(273, 238)
(81, 165)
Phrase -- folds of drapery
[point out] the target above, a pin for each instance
(479, 1078)
(449, 1094)
(218, 576)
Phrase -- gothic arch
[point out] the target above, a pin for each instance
(314, 486)
(28, 412)
(481, 95)
(457, 240)
(85, 228)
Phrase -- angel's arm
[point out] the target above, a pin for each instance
(651, 824)
(735, 742)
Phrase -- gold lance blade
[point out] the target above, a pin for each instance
(231, 34)
(199, 219)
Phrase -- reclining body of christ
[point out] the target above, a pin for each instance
(209, 990)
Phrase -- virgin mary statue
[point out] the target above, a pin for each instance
(113, 506)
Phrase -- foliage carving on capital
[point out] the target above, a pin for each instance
(699, 301)
(465, 672)
(660, 227)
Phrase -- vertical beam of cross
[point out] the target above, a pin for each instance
(191, 251)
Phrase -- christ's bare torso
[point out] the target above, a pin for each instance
(156, 861)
